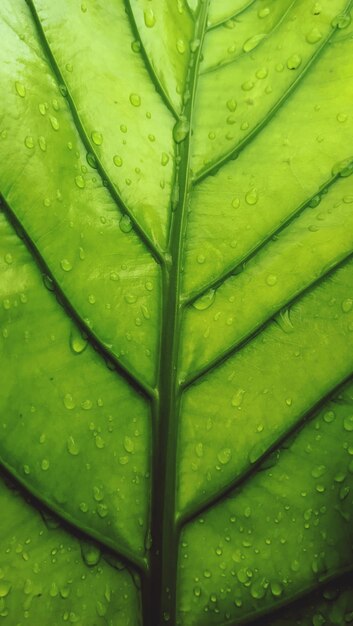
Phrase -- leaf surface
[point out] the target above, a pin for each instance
(176, 239)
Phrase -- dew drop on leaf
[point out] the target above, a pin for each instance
(5, 587)
(181, 130)
(72, 446)
(253, 42)
(97, 137)
(21, 89)
(224, 456)
(314, 36)
(78, 342)
(69, 402)
(203, 303)
(294, 61)
(149, 18)
(135, 99)
(125, 224)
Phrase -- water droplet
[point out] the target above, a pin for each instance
(348, 423)
(262, 73)
(237, 398)
(343, 168)
(129, 444)
(294, 61)
(253, 42)
(224, 456)
(341, 21)
(199, 450)
(29, 143)
(194, 45)
(135, 99)
(205, 301)
(264, 12)
(54, 122)
(72, 446)
(329, 417)
(80, 181)
(45, 465)
(125, 223)
(276, 589)
(78, 343)
(69, 401)
(181, 130)
(252, 196)
(20, 88)
(271, 280)
(314, 36)
(5, 587)
(347, 305)
(117, 160)
(102, 510)
(86, 405)
(231, 105)
(149, 18)
(97, 137)
(66, 265)
(180, 46)
(99, 441)
(136, 46)
(42, 143)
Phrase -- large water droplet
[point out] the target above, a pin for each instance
(205, 301)
(181, 130)
(125, 224)
(91, 554)
(294, 61)
(149, 18)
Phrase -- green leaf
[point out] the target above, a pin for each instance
(176, 325)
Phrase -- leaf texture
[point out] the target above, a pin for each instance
(176, 235)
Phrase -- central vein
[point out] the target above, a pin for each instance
(164, 527)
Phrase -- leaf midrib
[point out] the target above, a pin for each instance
(165, 530)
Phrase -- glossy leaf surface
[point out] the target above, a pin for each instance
(176, 239)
